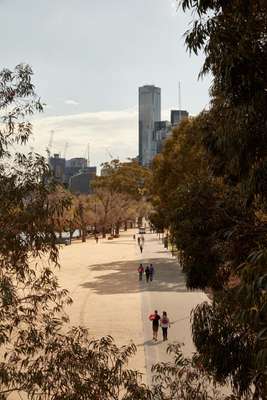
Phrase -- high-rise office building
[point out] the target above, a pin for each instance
(81, 182)
(73, 173)
(149, 113)
(163, 130)
(177, 116)
(74, 166)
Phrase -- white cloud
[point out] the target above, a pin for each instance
(117, 130)
(71, 102)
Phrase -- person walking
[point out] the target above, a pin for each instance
(151, 272)
(141, 247)
(155, 318)
(140, 271)
(138, 240)
(166, 242)
(147, 272)
(96, 239)
(165, 324)
(143, 239)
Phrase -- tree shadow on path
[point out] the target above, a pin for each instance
(122, 277)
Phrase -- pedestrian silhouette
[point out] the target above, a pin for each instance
(147, 272)
(151, 272)
(141, 248)
(165, 324)
(140, 272)
(155, 324)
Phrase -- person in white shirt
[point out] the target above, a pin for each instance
(165, 324)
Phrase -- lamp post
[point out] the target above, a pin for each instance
(95, 215)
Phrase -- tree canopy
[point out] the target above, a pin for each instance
(40, 355)
(119, 193)
(212, 193)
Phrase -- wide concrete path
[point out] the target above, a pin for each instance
(167, 292)
(108, 298)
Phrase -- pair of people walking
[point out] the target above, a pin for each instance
(162, 321)
(149, 272)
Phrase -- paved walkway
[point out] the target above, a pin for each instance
(168, 293)
(108, 298)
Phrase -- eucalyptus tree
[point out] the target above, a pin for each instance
(120, 193)
(233, 36)
(209, 189)
(40, 355)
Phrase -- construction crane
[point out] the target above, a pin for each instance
(109, 153)
(50, 143)
(65, 149)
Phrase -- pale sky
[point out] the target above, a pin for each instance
(89, 58)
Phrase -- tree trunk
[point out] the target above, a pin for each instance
(103, 232)
(83, 235)
(60, 235)
(117, 228)
(125, 226)
(71, 233)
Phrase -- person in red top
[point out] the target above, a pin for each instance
(155, 324)
(140, 271)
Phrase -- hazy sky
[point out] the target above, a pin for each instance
(89, 57)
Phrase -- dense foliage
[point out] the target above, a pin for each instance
(119, 195)
(40, 356)
(209, 191)
(184, 378)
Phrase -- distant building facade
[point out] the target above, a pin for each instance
(81, 182)
(149, 113)
(74, 166)
(73, 173)
(77, 162)
(58, 166)
(162, 131)
(177, 116)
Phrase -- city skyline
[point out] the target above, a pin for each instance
(149, 113)
(152, 130)
(89, 59)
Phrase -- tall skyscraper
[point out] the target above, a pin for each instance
(149, 113)
(177, 116)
